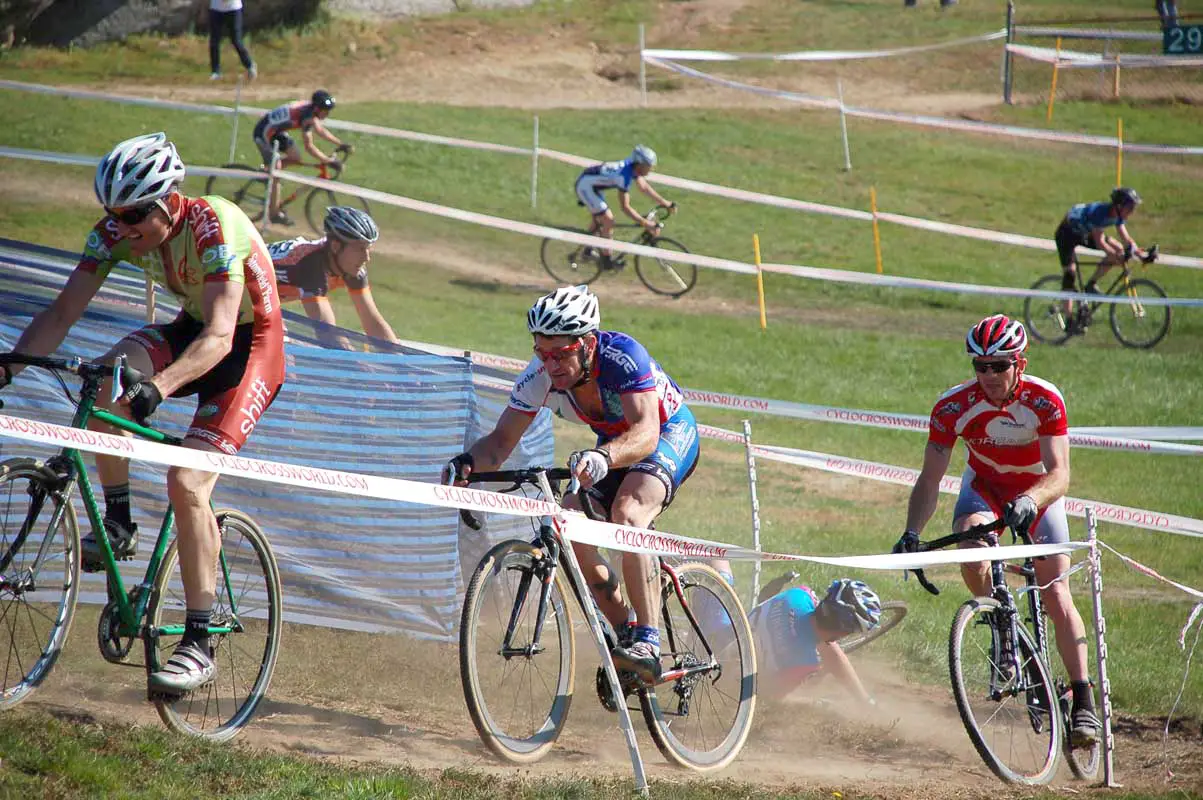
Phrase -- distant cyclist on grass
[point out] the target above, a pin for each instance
(1015, 428)
(1083, 226)
(226, 347)
(647, 446)
(273, 128)
(619, 175)
(308, 270)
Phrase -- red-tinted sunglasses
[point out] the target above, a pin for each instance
(997, 367)
(558, 353)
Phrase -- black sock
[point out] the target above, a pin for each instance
(116, 505)
(1083, 696)
(196, 628)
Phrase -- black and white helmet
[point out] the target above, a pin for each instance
(570, 311)
(350, 224)
(138, 171)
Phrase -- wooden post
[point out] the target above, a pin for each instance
(1052, 91)
(876, 231)
(1008, 59)
(764, 322)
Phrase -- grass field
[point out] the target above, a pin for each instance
(851, 347)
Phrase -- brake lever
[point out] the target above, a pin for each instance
(470, 519)
(118, 368)
(924, 582)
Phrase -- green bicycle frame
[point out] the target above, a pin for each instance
(129, 613)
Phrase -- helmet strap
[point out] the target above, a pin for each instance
(173, 206)
(587, 354)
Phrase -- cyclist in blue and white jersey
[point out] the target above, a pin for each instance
(796, 634)
(1084, 226)
(619, 175)
(647, 446)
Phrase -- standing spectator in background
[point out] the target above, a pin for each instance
(1168, 11)
(223, 14)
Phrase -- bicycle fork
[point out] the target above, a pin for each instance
(547, 577)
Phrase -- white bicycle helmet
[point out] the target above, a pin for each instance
(642, 154)
(350, 224)
(569, 311)
(138, 171)
(851, 606)
(998, 335)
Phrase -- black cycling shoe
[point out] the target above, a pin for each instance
(124, 543)
(641, 658)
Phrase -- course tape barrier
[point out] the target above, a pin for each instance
(967, 126)
(668, 180)
(577, 527)
(818, 55)
(1072, 59)
(1125, 439)
(905, 476)
(1195, 613)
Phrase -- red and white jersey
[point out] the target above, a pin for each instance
(1003, 443)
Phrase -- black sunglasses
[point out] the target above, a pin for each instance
(997, 367)
(132, 216)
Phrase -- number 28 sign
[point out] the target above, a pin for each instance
(1182, 40)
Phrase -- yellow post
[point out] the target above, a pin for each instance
(1052, 92)
(1119, 153)
(1115, 80)
(764, 322)
(876, 232)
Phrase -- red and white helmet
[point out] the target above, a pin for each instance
(998, 335)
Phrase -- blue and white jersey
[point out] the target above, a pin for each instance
(785, 636)
(610, 175)
(621, 366)
(1086, 217)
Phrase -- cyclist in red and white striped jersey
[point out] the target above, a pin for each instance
(1015, 428)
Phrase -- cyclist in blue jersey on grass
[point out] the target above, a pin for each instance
(619, 175)
(647, 446)
(1084, 226)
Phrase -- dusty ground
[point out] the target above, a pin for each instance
(405, 706)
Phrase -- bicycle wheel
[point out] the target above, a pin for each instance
(700, 721)
(1083, 761)
(570, 264)
(1138, 324)
(893, 612)
(519, 699)
(320, 199)
(1013, 721)
(249, 194)
(249, 602)
(1045, 318)
(672, 278)
(39, 575)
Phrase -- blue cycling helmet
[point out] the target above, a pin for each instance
(642, 154)
(850, 606)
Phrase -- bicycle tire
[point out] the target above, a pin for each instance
(319, 199)
(1160, 324)
(245, 658)
(570, 264)
(671, 278)
(489, 603)
(249, 194)
(36, 625)
(893, 612)
(1044, 317)
(1041, 699)
(674, 720)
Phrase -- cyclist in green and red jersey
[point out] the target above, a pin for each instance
(226, 346)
